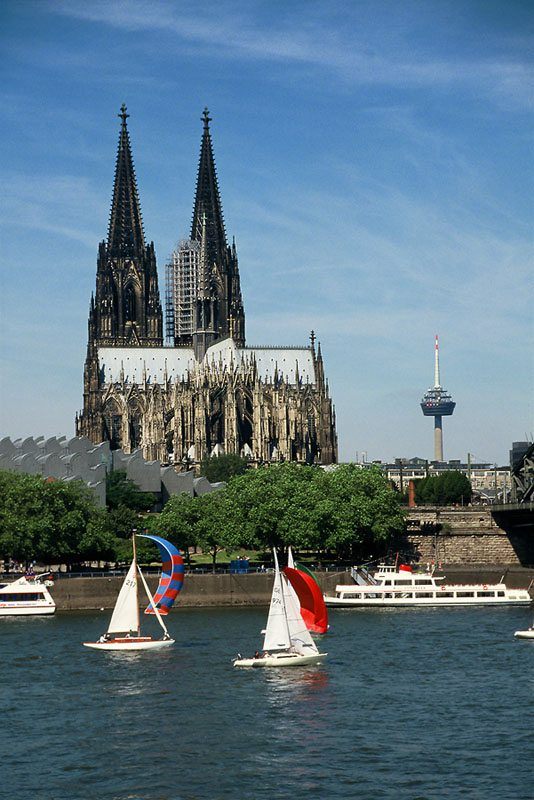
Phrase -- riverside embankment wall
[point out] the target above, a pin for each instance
(202, 591)
(464, 536)
(198, 590)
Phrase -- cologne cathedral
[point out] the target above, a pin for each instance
(205, 391)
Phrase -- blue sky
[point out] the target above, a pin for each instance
(375, 166)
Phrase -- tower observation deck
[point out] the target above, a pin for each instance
(437, 403)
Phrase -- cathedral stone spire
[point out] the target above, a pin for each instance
(127, 308)
(204, 288)
(221, 259)
(207, 199)
(125, 235)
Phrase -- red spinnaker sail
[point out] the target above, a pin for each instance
(312, 606)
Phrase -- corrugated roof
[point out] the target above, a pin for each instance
(133, 360)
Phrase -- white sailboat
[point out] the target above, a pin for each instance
(287, 641)
(124, 630)
(528, 634)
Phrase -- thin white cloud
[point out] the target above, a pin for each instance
(56, 204)
(342, 45)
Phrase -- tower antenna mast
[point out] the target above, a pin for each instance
(437, 403)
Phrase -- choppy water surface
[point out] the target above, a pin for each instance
(414, 704)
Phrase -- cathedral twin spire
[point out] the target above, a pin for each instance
(127, 309)
(125, 235)
(207, 199)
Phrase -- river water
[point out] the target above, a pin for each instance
(411, 704)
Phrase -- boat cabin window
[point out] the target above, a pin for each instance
(19, 597)
(500, 594)
(465, 594)
(486, 594)
(423, 582)
(351, 596)
(446, 594)
(403, 583)
(387, 583)
(425, 594)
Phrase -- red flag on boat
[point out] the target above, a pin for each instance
(404, 568)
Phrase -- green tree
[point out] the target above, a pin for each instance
(221, 468)
(212, 535)
(348, 511)
(121, 490)
(178, 523)
(50, 521)
(452, 487)
(268, 507)
(119, 522)
(367, 512)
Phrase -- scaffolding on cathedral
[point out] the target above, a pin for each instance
(181, 287)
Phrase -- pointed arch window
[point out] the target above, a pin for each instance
(130, 305)
(135, 427)
(112, 421)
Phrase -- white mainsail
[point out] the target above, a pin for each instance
(277, 631)
(125, 615)
(290, 560)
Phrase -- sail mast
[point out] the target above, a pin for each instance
(282, 578)
(136, 592)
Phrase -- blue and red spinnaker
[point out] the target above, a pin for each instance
(172, 575)
(312, 606)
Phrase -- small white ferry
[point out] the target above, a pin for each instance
(27, 595)
(400, 586)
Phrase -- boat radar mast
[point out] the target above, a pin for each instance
(437, 403)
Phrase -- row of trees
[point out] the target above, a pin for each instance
(452, 487)
(50, 521)
(345, 513)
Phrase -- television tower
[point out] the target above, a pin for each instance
(437, 403)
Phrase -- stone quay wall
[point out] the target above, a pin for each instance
(226, 590)
(198, 591)
(464, 536)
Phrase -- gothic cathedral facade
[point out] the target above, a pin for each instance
(204, 392)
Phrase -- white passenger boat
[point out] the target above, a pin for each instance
(27, 595)
(400, 586)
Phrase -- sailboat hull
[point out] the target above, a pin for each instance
(132, 643)
(524, 634)
(281, 660)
